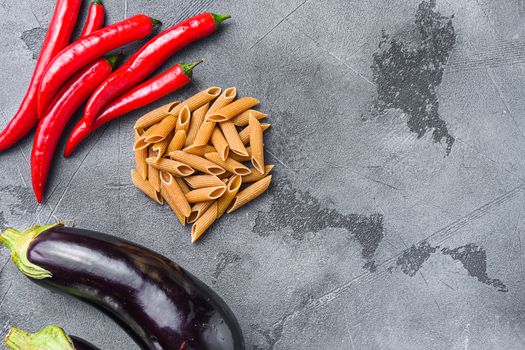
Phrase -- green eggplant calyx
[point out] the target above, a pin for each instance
(49, 338)
(18, 243)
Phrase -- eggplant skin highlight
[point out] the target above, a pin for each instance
(159, 304)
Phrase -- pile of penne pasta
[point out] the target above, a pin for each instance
(196, 156)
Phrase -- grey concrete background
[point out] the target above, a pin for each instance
(395, 219)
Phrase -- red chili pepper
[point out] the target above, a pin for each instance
(88, 49)
(150, 57)
(151, 90)
(95, 18)
(57, 37)
(74, 92)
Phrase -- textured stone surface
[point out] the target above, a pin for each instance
(395, 219)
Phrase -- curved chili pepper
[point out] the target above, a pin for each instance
(151, 90)
(88, 49)
(57, 37)
(95, 18)
(74, 92)
(150, 57)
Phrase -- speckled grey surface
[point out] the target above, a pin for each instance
(395, 219)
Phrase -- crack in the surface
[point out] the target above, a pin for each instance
(33, 38)
(225, 259)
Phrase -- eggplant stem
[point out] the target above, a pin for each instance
(18, 243)
(48, 338)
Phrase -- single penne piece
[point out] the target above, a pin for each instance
(158, 113)
(204, 222)
(183, 120)
(243, 118)
(184, 187)
(219, 142)
(196, 121)
(229, 164)
(225, 176)
(173, 190)
(140, 158)
(250, 193)
(197, 163)
(242, 159)
(160, 131)
(177, 142)
(256, 176)
(224, 99)
(200, 150)
(232, 136)
(160, 147)
(232, 109)
(198, 210)
(232, 188)
(256, 144)
(171, 203)
(171, 166)
(200, 181)
(141, 143)
(193, 103)
(145, 187)
(203, 135)
(244, 135)
(153, 173)
(205, 194)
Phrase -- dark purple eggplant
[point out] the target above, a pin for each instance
(159, 304)
(49, 338)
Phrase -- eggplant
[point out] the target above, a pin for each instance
(48, 338)
(159, 304)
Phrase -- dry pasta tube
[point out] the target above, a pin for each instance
(244, 135)
(153, 173)
(219, 142)
(196, 121)
(204, 222)
(183, 120)
(203, 135)
(174, 191)
(193, 103)
(205, 194)
(242, 159)
(169, 200)
(145, 187)
(140, 158)
(232, 136)
(183, 186)
(198, 210)
(224, 99)
(200, 181)
(200, 150)
(197, 163)
(232, 189)
(243, 118)
(232, 109)
(158, 113)
(177, 142)
(160, 131)
(256, 144)
(229, 164)
(256, 176)
(160, 147)
(171, 166)
(250, 193)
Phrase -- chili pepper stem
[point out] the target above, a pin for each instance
(18, 243)
(96, 2)
(187, 69)
(112, 60)
(51, 338)
(218, 19)
(155, 21)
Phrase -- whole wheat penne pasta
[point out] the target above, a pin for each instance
(232, 136)
(153, 173)
(197, 163)
(196, 121)
(141, 143)
(242, 119)
(200, 150)
(204, 222)
(244, 135)
(229, 164)
(160, 147)
(250, 193)
(174, 191)
(232, 188)
(226, 175)
(183, 120)
(256, 144)
(171, 166)
(158, 113)
(193, 103)
(145, 187)
(198, 210)
(219, 142)
(203, 135)
(160, 131)
(177, 141)
(232, 109)
(205, 194)
(256, 176)
(224, 99)
(184, 187)
(171, 203)
(242, 159)
(200, 181)
(140, 158)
